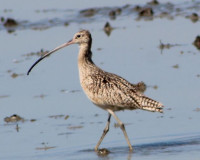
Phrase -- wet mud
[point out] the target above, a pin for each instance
(151, 10)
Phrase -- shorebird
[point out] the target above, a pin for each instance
(106, 90)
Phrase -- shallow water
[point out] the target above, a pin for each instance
(52, 91)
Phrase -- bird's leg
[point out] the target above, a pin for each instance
(105, 131)
(122, 128)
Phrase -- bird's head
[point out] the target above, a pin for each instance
(82, 37)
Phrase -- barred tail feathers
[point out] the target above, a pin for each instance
(151, 105)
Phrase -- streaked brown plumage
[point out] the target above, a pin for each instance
(107, 90)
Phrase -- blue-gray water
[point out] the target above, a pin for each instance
(131, 51)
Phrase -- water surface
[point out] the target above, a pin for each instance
(52, 91)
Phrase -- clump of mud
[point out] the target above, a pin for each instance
(14, 118)
(176, 66)
(9, 22)
(196, 42)
(108, 28)
(88, 12)
(146, 12)
(163, 46)
(103, 152)
(194, 17)
(153, 2)
(39, 53)
(13, 74)
(114, 13)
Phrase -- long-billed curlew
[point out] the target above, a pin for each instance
(106, 90)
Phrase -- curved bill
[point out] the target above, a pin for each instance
(47, 54)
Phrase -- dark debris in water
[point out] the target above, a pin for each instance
(194, 17)
(108, 28)
(14, 118)
(15, 75)
(4, 96)
(149, 11)
(146, 12)
(39, 53)
(33, 120)
(75, 127)
(2, 19)
(103, 152)
(163, 46)
(57, 116)
(198, 75)
(137, 8)
(88, 12)
(153, 86)
(176, 66)
(42, 96)
(167, 45)
(10, 22)
(153, 2)
(65, 117)
(45, 147)
(65, 133)
(69, 91)
(114, 13)
(196, 42)
(117, 125)
(197, 109)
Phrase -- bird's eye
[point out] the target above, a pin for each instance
(78, 36)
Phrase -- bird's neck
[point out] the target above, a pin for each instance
(85, 64)
(85, 56)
